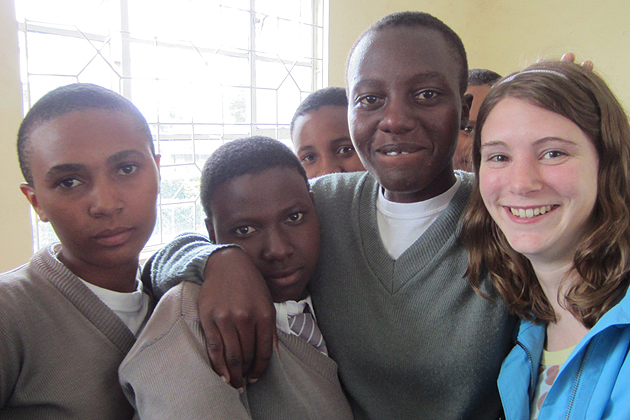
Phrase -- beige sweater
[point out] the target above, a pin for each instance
(60, 346)
(167, 374)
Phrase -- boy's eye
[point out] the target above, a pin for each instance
(128, 169)
(369, 101)
(308, 158)
(344, 150)
(468, 129)
(295, 217)
(69, 183)
(426, 94)
(244, 230)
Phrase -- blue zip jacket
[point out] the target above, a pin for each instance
(594, 382)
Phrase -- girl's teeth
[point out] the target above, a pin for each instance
(529, 213)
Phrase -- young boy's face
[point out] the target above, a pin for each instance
(406, 109)
(96, 181)
(271, 215)
(322, 142)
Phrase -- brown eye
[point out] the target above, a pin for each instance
(295, 217)
(69, 183)
(344, 150)
(128, 169)
(369, 101)
(424, 95)
(244, 230)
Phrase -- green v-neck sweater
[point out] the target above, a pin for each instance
(411, 338)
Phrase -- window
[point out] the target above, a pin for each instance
(202, 72)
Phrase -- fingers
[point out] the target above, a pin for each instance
(226, 341)
(233, 302)
(570, 57)
(214, 346)
(588, 64)
(266, 341)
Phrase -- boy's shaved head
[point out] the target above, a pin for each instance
(478, 77)
(70, 98)
(248, 155)
(424, 21)
(329, 96)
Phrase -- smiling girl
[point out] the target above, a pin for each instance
(549, 221)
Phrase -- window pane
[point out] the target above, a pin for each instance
(202, 72)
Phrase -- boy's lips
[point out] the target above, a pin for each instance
(283, 276)
(396, 149)
(113, 237)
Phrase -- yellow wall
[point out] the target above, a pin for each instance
(505, 35)
(502, 35)
(15, 229)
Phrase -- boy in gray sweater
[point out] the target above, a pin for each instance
(256, 196)
(70, 315)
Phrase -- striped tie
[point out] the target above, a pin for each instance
(304, 326)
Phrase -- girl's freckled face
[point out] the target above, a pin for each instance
(538, 179)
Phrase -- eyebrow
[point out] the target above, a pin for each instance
(418, 77)
(124, 154)
(339, 140)
(536, 143)
(65, 168)
(307, 147)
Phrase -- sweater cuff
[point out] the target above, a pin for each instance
(183, 259)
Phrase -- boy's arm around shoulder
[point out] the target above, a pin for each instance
(182, 259)
(235, 307)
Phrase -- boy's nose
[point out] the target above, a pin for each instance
(398, 118)
(276, 246)
(105, 200)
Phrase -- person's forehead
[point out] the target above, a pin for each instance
(260, 188)
(85, 129)
(328, 122)
(412, 46)
(88, 137)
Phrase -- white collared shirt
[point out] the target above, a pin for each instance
(291, 308)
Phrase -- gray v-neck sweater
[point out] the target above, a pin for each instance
(60, 346)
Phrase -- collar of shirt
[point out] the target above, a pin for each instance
(289, 308)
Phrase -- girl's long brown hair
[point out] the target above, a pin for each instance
(602, 259)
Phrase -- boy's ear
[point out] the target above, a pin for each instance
(157, 161)
(467, 100)
(31, 196)
(210, 228)
(312, 195)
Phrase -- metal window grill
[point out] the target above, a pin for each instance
(202, 72)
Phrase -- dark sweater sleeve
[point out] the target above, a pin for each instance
(183, 259)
